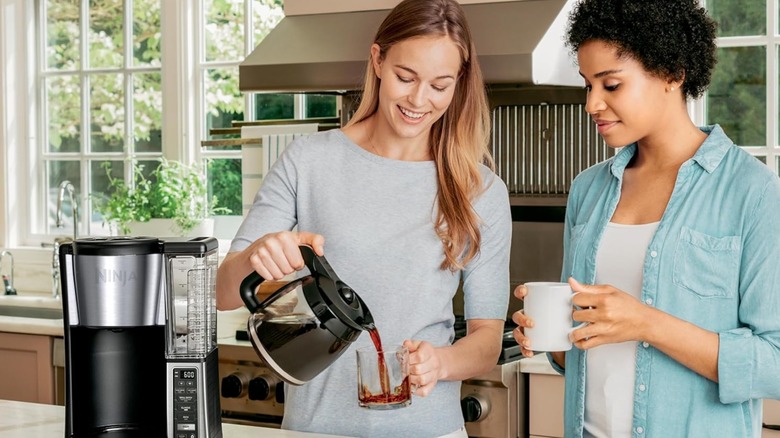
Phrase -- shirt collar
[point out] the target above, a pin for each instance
(709, 155)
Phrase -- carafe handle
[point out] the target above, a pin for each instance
(248, 288)
(252, 281)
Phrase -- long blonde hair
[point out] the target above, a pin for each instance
(459, 140)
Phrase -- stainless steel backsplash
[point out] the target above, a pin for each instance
(539, 148)
(541, 138)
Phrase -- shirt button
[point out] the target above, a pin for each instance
(653, 254)
(649, 301)
(642, 387)
(645, 344)
(640, 429)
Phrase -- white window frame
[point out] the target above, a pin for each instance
(771, 42)
(18, 116)
(183, 116)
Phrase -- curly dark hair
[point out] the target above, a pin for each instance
(672, 39)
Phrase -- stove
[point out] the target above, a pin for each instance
(494, 403)
(250, 393)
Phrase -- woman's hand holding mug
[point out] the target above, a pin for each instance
(522, 322)
(545, 323)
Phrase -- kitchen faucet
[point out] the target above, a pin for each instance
(67, 186)
(55, 265)
(8, 280)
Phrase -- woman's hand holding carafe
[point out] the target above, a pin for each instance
(276, 255)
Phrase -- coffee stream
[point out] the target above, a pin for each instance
(389, 395)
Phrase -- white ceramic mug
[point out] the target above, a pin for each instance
(549, 305)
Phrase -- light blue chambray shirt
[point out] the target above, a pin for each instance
(715, 262)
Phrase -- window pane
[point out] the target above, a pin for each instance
(106, 38)
(224, 176)
(62, 34)
(146, 32)
(761, 158)
(266, 14)
(107, 112)
(223, 99)
(99, 175)
(737, 97)
(736, 18)
(147, 167)
(224, 30)
(274, 106)
(59, 171)
(321, 105)
(147, 112)
(63, 113)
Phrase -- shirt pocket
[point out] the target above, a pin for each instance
(707, 265)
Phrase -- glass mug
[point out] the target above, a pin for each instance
(383, 377)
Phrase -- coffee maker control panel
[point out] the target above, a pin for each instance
(185, 403)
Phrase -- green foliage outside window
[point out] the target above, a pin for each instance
(107, 37)
(224, 176)
(106, 42)
(737, 97)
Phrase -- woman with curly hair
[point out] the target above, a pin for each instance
(671, 246)
(403, 203)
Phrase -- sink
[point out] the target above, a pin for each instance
(31, 312)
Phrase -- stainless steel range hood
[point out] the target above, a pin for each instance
(518, 42)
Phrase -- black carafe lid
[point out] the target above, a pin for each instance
(336, 305)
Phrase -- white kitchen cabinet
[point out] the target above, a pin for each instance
(545, 408)
(26, 371)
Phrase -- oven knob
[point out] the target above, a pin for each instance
(279, 392)
(474, 407)
(261, 387)
(234, 385)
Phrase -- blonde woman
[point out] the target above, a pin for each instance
(404, 207)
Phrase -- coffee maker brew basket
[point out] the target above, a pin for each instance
(118, 282)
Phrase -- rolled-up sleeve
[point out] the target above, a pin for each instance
(749, 356)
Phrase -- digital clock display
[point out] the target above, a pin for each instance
(188, 374)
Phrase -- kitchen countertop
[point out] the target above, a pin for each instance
(227, 321)
(33, 326)
(32, 420)
(538, 364)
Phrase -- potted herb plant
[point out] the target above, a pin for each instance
(172, 191)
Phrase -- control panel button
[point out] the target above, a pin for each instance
(185, 402)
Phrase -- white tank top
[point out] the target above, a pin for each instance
(611, 368)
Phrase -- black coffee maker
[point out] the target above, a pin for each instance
(140, 337)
